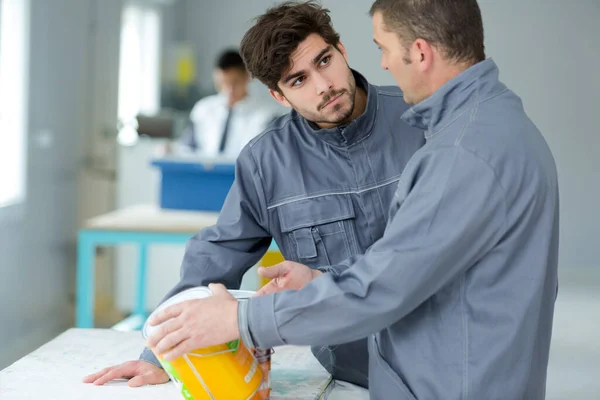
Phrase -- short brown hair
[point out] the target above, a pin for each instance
(454, 26)
(267, 47)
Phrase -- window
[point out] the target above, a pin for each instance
(139, 67)
(14, 48)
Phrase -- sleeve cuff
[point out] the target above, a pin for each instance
(148, 356)
(243, 325)
(258, 326)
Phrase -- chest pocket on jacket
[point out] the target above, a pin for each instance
(319, 231)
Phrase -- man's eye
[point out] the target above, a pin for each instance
(379, 48)
(298, 81)
(325, 61)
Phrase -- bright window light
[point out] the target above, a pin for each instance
(14, 48)
(139, 70)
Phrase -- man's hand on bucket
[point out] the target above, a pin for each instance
(195, 324)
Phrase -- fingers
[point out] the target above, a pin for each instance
(166, 314)
(140, 380)
(92, 377)
(218, 289)
(163, 330)
(141, 373)
(149, 378)
(170, 341)
(182, 348)
(273, 272)
(269, 288)
(126, 370)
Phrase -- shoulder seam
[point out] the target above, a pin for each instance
(271, 129)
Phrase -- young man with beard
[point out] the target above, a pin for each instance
(319, 180)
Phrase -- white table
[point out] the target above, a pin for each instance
(56, 370)
(142, 225)
(150, 218)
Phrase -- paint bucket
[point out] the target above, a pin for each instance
(264, 361)
(263, 357)
(224, 372)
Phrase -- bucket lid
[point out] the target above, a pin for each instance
(200, 292)
(242, 294)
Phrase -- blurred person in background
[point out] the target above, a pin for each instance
(222, 124)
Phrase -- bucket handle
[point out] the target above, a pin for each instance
(231, 349)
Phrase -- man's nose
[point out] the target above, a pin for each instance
(323, 85)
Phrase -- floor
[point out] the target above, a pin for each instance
(574, 369)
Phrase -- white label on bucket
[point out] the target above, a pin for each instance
(251, 373)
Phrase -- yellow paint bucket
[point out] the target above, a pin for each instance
(225, 372)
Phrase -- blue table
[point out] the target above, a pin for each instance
(143, 226)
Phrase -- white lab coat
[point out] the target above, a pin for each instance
(250, 117)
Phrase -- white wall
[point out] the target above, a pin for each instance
(36, 237)
(73, 59)
(547, 52)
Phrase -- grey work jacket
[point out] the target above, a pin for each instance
(458, 295)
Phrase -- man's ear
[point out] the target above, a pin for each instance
(423, 54)
(280, 98)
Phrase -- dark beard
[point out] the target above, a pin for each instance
(346, 117)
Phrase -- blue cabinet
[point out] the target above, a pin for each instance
(194, 185)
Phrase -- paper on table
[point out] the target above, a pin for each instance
(296, 374)
(56, 370)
